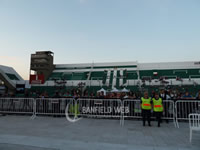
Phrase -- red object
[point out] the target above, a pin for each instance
(146, 105)
(157, 106)
(36, 79)
(155, 73)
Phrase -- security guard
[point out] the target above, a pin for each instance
(158, 107)
(146, 108)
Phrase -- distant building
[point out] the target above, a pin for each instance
(10, 80)
(109, 75)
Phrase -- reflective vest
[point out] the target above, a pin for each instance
(157, 105)
(146, 103)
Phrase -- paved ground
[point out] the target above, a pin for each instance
(47, 133)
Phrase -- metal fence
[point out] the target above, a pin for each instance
(51, 106)
(185, 107)
(100, 108)
(17, 105)
(135, 111)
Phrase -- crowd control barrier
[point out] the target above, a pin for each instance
(135, 111)
(184, 108)
(100, 108)
(17, 106)
(51, 106)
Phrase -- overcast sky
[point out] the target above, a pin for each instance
(80, 31)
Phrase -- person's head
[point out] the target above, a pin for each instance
(115, 95)
(130, 93)
(162, 91)
(156, 95)
(91, 94)
(112, 95)
(109, 95)
(146, 95)
(199, 95)
(187, 93)
(119, 95)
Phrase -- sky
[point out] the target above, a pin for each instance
(86, 31)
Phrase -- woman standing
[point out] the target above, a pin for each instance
(158, 107)
(146, 108)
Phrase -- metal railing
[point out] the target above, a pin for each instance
(100, 108)
(135, 110)
(185, 107)
(17, 105)
(51, 106)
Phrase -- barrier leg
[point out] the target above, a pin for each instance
(190, 135)
(177, 123)
(174, 121)
(121, 120)
(33, 117)
(34, 110)
(174, 116)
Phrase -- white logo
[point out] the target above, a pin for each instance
(74, 109)
(73, 112)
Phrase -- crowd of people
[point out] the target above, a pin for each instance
(76, 93)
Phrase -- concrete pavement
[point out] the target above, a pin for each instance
(48, 133)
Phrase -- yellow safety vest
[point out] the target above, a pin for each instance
(146, 103)
(157, 105)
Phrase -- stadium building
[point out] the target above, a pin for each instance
(10, 81)
(47, 76)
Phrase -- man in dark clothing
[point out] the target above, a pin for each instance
(56, 104)
(163, 96)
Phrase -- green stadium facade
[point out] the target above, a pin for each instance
(132, 75)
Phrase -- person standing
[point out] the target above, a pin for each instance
(158, 108)
(198, 97)
(146, 108)
(56, 104)
(164, 96)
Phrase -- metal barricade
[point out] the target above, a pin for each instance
(100, 108)
(184, 108)
(52, 106)
(135, 110)
(17, 105)
(169, 110)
